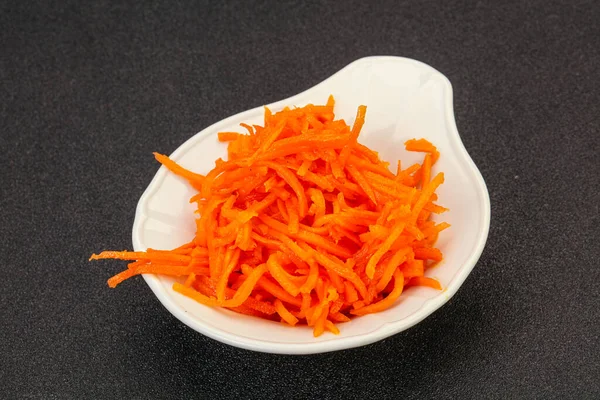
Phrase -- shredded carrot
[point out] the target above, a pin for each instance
(423, 253)
(424, 281)
(303, 224)
(228, 136)
(423, 145)
(281, 276)
(284, 313)
(194, 179)
(190, 279)
(426, 173)
(388, 301)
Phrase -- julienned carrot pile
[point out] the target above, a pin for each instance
(303, 224)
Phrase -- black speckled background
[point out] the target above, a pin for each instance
(87, 92)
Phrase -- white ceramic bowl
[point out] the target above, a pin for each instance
(405, 99)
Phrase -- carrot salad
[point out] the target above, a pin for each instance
(303, 224)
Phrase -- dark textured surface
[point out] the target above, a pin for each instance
(88, 92)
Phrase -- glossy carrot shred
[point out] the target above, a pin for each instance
(303, 224)
(424, 281)
(284, 313)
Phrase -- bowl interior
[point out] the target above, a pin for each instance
(405, 99)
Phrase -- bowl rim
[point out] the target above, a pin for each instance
(387, 329)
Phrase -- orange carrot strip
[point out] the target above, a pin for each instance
(369, 166)
(426, 174)
(330, 326)
(320, 289)
(294, 223)
(307, 237)
(336, 167)
(388, 301)
(342, 271)
(220, 167)
(268, 243)
(276, 290)
(194, 179)
(244, 309)
(243, 240)
(304, 168)
(292, 245)
(397, 259)
(248, 127)
(190, 279)
(423, 145)
(320, 322)
(244, 291)
(236, 178)
(412, 268)
(195, 295)
(318, 200)
(283, 210)
(426, 194)
(270, 183)
(434, 208)
(305, 304)
(336, 281)
(228, 136)
(389, 183)
(369, 154)
(230, 264)
(311, 281)
(385, 246)
(347, 233)
(358, 124)
(414, 231)
(350, 292)
(313, 122)
(284, 313)
(390, 191)
(362, 182)
(338, 317)
(157, 256)
(424, 281)
(263, 307)
(336, 305)
(271, 137)
(281, 276)
(322, 231)
(294, 183)
(321, 181)
(428, 254)
(303, 143)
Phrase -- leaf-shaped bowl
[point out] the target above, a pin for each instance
(405, 99)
